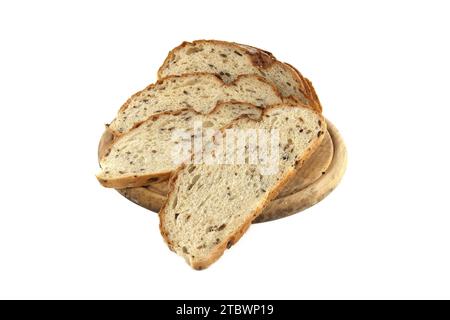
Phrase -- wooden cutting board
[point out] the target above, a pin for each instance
(318, 176)
(314, 192)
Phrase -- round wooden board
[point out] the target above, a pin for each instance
(316, 191)
(318, 176)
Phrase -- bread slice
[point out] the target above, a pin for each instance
(209, 207)
(201, 91)
(144, 155)
(229, 60)
(313, 168)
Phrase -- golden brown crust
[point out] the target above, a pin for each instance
(261, 59)
(227, 243)
(308, 87)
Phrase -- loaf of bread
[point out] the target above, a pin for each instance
(209, 207)
(201, 91)
(229, 60)
(229, 88)
(144, 154)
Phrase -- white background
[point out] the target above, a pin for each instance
(381, 69)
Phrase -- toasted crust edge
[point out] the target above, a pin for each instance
(219, 250)
(308, 87)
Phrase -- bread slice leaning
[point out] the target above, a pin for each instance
(229, 60)
(145, 154)
(209, 207)
(200, 91)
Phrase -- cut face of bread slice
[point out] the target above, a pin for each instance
(229, 60)
(145, 154)
(209, 207)
(201, 92)
(311, 171)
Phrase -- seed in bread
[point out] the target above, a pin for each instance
(209, 207)
(144, 155)
(229, 60)
(201, 92)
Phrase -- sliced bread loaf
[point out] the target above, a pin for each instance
(209, 207)
(201, 91)
(144, 155)
(229, 60)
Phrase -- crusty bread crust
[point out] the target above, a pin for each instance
(231, 240)
(186, 75)
(261, 59)
(134, 180)
(309, 88)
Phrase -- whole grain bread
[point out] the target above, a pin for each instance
(284, 204)
(209, 207)
(229, 60)
(199, 91)
(313, 168)
(144, 154)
